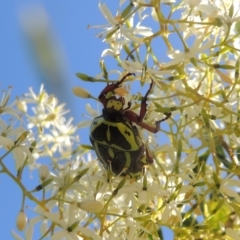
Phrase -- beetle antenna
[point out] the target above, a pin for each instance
(168, 115)
(127, 75)
(149, 90)
(129, 105)
(132, 51)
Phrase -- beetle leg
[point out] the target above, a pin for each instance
(133, 117)
(143, 108)
(110, 88)
(149, 156)
(138, 119)
(129, 105)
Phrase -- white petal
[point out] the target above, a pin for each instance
(166, 213)
(89, 233)
(131, 37)
(235, 139)
(59, 235)
(73, 236)
(177, 212)
(91, 111)
(35, 220)
(122, 2)
(29, 233)
(146, 32)
(234, 234)
(233, 182)
(190, 158)
(107, 52)
(135, 65)
(207, 45)
(6, 142)
(159, 72)
(229, 192)
(28, 153)
(84, 124)
(19, 156)
(54, 217)
(11, 111)
(143, 197)
(44, 227)
(16, 236)
(107, 14)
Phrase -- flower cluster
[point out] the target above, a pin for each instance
(189, 50)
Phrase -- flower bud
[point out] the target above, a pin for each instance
(81, 92)
(43, 172)
(22, 106)
(121, 91)
(51, 117)
(90, 206)
(21, 220)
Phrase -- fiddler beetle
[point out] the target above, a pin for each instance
(115, 140)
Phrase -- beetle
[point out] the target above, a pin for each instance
(115, 139)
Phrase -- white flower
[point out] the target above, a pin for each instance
(70, 228)
(93, 114)
(230, 187)
(16, 139)
(40, 219)
(170, 211)
(46, 110)
(191, 52)
(8, 109)
(118, 33)
(182, 165)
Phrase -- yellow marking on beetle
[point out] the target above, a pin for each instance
(108, 134)
(117, 105)
(128, 159)
(144, 159)
(134, 141)
(110, 152)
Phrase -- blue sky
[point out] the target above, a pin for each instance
(20, 66)
(73, 48)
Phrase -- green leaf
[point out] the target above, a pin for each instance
(238, 154)
(215, 179)
(109, 35)
(104, 69)
(237, 67)
(119, 186)
(44, 184)
(216, 212)
(231, 10)
(127, 10)
(179, 149)
(150, 237)
(175, 194)
(82, 173)
(85, 77)
(223, 66)
(86, 147)
(222, 156)
(32, 147)
(188, 219)
(199, 184)
(162, 109)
